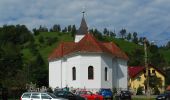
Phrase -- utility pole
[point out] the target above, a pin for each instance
(147, 69)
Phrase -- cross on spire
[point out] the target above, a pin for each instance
(83, 11)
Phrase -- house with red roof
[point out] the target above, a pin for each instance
(87, 63)
(137, 77)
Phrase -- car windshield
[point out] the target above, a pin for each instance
(59, 93)
(52, 95)
(85, 92)
(106, 90)
(167, 92)
(161, 95)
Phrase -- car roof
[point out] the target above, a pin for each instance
(125, 91)
(35, 92)
(105, 88)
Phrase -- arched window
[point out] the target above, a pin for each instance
(74, 73)
(105, 72)
(90, 72)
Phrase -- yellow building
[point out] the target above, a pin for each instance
(137, 77)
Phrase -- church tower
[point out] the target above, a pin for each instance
(82, 30)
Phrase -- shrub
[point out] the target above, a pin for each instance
(114, 90)
(49, 90)
(156, 91)
(139, 91)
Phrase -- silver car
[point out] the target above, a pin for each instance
(39, 96)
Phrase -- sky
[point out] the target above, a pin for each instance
(149, 18)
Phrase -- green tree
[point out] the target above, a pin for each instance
(35, 31)
(18, 34)
(154, 82)
(155, 58)
(112, 34)
(135, 38)
(73, 30)
(39, 74)
(97, 34)
(136, 57)
(141, 40)
(69, 28)
(56, 28)
(123, 33)
(156, 91)
(10, 61)
(139, 91)
(106, 32)
(33, 47)
(43, 29)
(23, 34)
(64, 30)
(41, 39)
(59, 28)
(168, 45)
(129, 36)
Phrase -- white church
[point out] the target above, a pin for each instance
(88, 63)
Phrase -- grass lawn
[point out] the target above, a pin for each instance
(142, 97)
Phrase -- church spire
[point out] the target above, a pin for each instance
(83, 26)
(83, 29)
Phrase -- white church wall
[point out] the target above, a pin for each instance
(117, 71)
(78, 38)
(73, 61)
(106, 61)
(122, 74)
(64, 72)
(55, 74)
(115, 66)
(86, 61)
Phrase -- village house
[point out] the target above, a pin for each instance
(137, 77)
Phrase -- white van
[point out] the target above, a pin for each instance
(39, 96)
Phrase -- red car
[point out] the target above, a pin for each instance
(89, 95)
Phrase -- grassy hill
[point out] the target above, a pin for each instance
(126, 46)
(45, 48)
(47, 41)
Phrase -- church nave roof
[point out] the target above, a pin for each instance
(87, 44)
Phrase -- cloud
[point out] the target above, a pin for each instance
(142, 16)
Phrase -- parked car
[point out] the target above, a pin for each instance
(89, 95)
(106, 93)
(39, 96)
(68, 95)
(125, 95)
(164, 96)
